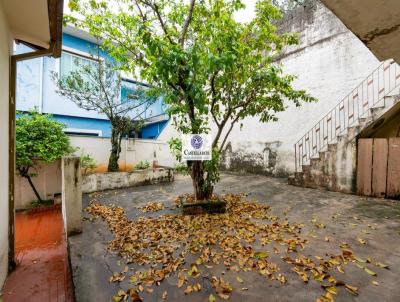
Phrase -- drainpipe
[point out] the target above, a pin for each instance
(11, 149)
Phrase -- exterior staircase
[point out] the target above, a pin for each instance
(326, 156)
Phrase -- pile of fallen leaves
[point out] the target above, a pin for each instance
(190, 198)
(162, 246)
(153, 207)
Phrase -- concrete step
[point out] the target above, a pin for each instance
(314, 161)
(296, 179)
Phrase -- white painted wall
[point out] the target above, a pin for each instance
(48, 180)
(329, 62)
(133, 151)
(5, 43)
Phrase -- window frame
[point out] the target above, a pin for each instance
(78, 54)
(83, 131)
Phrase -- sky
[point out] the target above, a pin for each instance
(248, 13)
(242, 16)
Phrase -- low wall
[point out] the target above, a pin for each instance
(47, 183)
(48, 179)
(132, 151)
(116, 180)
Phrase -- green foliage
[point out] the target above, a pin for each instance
(88, 163)
(142, 165)
(39, 203)
(210, 68)
(181, 168)
(39, 138)
(175, 145)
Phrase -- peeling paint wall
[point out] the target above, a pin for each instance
(329, 62)
(108, 181)
(376, 23)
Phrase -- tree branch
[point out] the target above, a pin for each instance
(187, 23)
(227, 134)
(157, 13)
(214, 97)
(162, 23)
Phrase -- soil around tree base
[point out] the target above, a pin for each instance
(204, 207)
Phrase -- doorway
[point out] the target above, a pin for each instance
(378, 167)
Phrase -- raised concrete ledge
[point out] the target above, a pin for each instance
(116, 180)
(71, 194)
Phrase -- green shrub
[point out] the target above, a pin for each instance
(181, 168)
(142, 165)
(88, 163)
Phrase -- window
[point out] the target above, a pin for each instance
(132, 92)
(83, 132)
(72, 62)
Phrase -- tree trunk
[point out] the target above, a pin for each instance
(202, 189)
(115, 150)
(33, 187)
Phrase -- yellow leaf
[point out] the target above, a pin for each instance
(211, 298)
(133, 279)
(372, 273)
(117, 298)
(360, 260)
(197, 287)
(332, 290)
(375, 283)
(352, 289)
(261, 255)
(382, 265)
(340, 269)
(362, 241)
(188, 290)
(239, 279)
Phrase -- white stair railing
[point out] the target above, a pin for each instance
(357, 104)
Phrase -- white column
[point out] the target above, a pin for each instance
(72, 195)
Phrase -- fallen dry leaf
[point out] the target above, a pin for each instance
(161, 245)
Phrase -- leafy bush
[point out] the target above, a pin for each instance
(181, 168)
(39, 138)
(37, 203)
(88, 163)
(142, 165)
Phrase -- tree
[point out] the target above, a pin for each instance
(97, 87)
(213, 70)
(39, 138)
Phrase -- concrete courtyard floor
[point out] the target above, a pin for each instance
(370, 228)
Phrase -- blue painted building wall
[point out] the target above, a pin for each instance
(74, 122)
(36, 88)
(153, 130)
